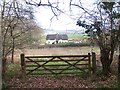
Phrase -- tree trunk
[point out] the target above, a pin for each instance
(105, 62)
(119, 68)
(111, 56)
(13, 46)
(3, 68)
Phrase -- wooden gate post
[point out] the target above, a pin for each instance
(89, 62)
(22, 56)
(94, 67)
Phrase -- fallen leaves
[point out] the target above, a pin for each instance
(60, 82)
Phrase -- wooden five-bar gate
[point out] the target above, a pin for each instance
(57, 64)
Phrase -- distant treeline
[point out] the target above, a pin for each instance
(64, 45)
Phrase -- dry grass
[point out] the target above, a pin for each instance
(58, 51)
(55, 51)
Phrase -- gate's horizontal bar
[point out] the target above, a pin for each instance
(55, 69)
(59, 60)
(70, 73)
(57, 56)
(55, 65)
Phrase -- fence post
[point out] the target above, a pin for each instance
(119, 68)
(94, 67)
(89, 62)
(22, 56)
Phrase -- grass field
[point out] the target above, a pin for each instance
(77, 36)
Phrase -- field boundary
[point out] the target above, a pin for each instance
(64, 45)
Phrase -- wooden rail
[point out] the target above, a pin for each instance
(57, 64)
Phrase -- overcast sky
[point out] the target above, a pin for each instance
(64, 21)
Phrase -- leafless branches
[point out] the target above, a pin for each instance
(16, 25)
(53, 6)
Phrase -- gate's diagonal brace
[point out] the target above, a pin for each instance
(33, 61)
(48, 69)
(71, 64)
(40, 65)
(69, 67)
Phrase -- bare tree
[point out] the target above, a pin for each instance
(16, 26)
(23, 36)
(106, 34)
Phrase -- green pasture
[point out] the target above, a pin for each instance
(77, 36)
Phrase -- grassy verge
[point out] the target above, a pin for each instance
(13, 70)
